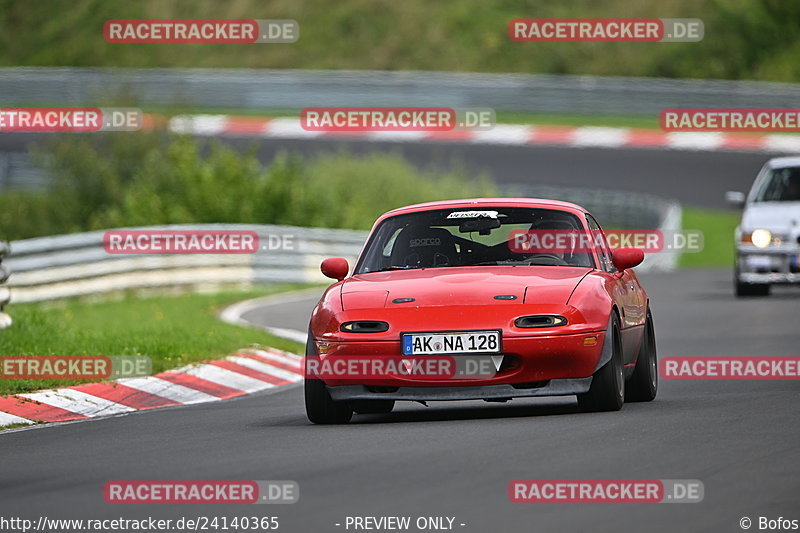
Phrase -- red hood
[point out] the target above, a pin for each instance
(462, 286)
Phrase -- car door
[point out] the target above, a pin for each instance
(626, 292)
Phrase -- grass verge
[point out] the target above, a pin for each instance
(718, 246)
(172, 330)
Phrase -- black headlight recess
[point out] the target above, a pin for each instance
(364, 326)
(540, 321)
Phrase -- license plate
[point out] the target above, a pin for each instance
(447, 342)
(759, 261)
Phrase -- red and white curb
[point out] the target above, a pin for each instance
(501, 134)
(245, 372)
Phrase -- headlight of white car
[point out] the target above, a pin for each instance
(761, 238)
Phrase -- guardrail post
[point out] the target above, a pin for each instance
(5, 293)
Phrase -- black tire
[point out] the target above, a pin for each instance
(320, 407)
(372, 407)
(643, 383)
(607, 392)
(751, 289)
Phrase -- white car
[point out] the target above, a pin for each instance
(768, 236)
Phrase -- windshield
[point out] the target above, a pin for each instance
(460, 237)
(781, 185)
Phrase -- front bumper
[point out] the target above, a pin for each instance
(555, 387)
(529, 361)
(765, 265)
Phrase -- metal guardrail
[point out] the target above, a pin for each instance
(5, 294)
(296, 89)
(77, 265)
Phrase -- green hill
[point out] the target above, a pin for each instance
(744, 39)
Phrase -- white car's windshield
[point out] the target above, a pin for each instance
(781, 185)
(468, 237)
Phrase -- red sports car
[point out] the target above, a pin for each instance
(487, 299)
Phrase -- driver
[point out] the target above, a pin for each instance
(791, 193)
(557, 238)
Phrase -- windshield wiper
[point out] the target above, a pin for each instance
(394, 267)
(483, 263)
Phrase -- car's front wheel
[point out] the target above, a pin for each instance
(607, 391)
(320, 407)
(751, 289)
(748, 289)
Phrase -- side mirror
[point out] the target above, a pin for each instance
(735, 198)
(335, 267)
(625, 258)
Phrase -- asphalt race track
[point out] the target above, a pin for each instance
(457, 459)
(698, 178)
(693, 178)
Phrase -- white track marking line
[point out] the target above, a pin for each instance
(400, 136)
(288, 128)
(265, 368)
(503, 134)
(167, 389)
(695, 140)
(233, 313)
(279, 357)
(228, 378)
(290, 334)
(198, 124)
(782, 143)
(596, 136)
(7, 419)
(78, 402)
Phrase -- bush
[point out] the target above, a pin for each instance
(140, 179)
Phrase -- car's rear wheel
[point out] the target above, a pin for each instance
(751, 289)
(320, 407)
(643, 384)
(607, 392)
(372, 407)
